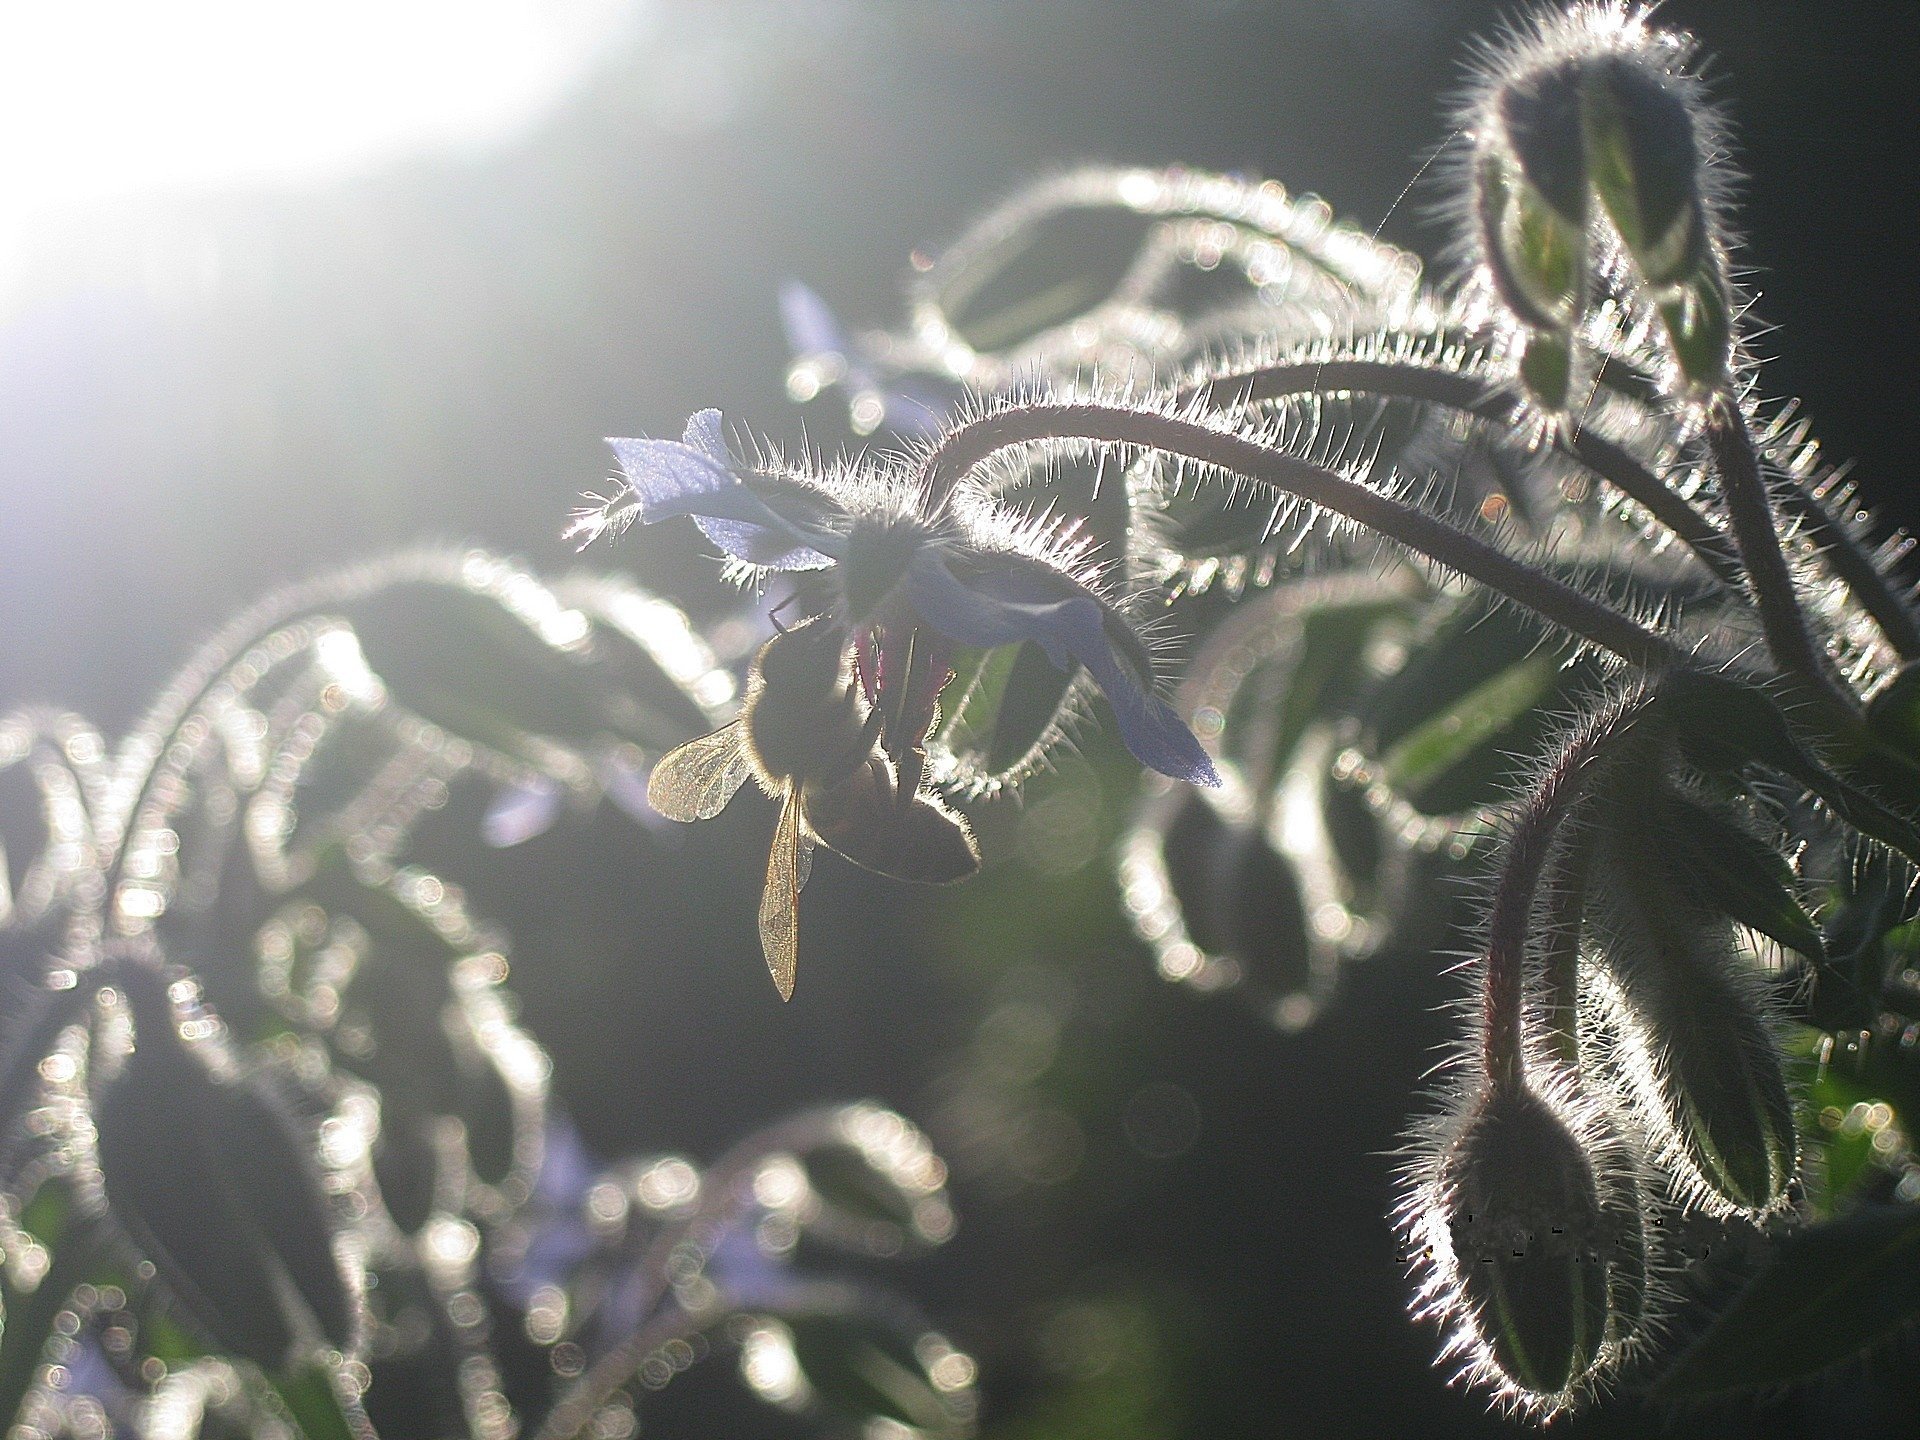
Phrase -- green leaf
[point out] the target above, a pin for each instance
(1726, 724)
(1737, 873)
(1030, 704)
(1002, 706)
(313, 1398)
(1453, 760)
(54, 1220)
(1830, 1293)
(861, 1365)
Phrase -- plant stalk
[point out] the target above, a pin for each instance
(970, 445)
(1473, 396)
(1782, 621)
(1530, 845)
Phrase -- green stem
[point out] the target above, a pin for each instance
(970, 445)
(1565, 882)
(1854, 564)
(1782, 621)
(1475, 396)
(1530, 842)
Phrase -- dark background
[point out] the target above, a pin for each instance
(204, 397)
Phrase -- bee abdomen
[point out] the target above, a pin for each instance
(858, 818)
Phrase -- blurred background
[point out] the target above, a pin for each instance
(283, 286)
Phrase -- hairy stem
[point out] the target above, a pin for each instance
(1562, 925)
(1530, 843)
(1782, 621)
(1473, 396)
(970, 445)
(616, 1368)
(1854, 564)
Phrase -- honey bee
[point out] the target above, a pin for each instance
(806, 734)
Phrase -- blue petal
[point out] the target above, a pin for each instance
(521, 811)
(760, 545)
(703, 434)
(1016, 603)
(811, 327)
(694, 476)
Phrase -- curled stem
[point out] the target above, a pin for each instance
(1473, 396)
(970, 445)
(1530, 844)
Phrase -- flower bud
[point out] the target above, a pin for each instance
(1527, 1220)
(1687, 1035)
(1536, 254)
(1700, 330)
(1524, 1216)
(1597, 105)
(1644, 162)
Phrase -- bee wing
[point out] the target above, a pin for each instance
(696, 780)
(787, 869)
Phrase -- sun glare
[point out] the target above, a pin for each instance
(105, 97)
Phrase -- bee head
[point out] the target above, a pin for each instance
(808, 659)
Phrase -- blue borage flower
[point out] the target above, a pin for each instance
(912, 582)
(824, 356)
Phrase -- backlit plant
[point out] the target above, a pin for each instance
(276, 1156)
(1386, 580)
(1515, 575)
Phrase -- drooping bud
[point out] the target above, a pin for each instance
(1644, 163)
(1686, 1027)
(1536, 254)
(1525, 1220)
(1596, 104)
(1528, 1218)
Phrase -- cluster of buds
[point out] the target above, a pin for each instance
(1627, 1058)
(1626, 1049)
(1589, 144)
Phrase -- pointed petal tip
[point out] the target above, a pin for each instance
(1204, 775)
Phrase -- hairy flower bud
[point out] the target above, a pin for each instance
(1596, 104)
(1525, 1219)
(1528, 1217)
(1536, 254)
(1644, 163)
(1687, 1032)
